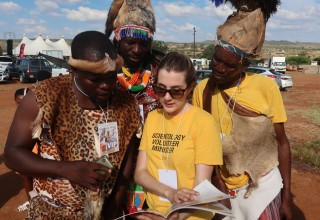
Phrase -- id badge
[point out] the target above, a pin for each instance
(108, 136)
(169, 178)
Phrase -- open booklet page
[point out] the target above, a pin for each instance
(206, 201)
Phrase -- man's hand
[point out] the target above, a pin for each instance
(286, 205)
(83, 173)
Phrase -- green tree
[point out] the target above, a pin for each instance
(297, 60)
(208, 51)
(160, 46)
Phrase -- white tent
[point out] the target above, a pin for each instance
(25, 40)
(33, 47)
(62, 45)
(36, 46)
(49, 42)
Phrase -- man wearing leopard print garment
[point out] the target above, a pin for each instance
(65, 116)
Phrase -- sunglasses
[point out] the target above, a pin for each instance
(174, 93)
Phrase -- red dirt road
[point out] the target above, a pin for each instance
(305, 180)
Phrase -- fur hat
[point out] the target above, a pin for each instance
(244, 31)
(131, 18)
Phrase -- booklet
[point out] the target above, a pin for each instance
(206, 201)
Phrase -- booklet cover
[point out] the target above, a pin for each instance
(206, 201)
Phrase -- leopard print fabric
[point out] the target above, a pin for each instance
(69, 133)
(40, 210)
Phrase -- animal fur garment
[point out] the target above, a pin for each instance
(245, 28)
(93, 205)
(134, 12)
(251, 147)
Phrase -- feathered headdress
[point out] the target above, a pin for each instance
(131, 18)
(244, 31)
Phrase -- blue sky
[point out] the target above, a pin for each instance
(296, 20)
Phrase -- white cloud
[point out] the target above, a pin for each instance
(176, 9)
(165, 21)
(211, 36)
(46, 5)
(189, 10)
(165, 37)
(9, 7)
(55, 14)
(71, 1)
(25, 21)
(85, 14)
(186, 27)
(160, 31)
(41, 30)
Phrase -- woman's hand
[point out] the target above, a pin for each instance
(182, 195)
(84, 173)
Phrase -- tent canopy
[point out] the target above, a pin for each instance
(38, 45)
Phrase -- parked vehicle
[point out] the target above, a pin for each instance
(4, 62)
(286, 81)
(27, 69)
(202, 74)
(278, 64)
(3, 77)
(265, 72)
(58, 71)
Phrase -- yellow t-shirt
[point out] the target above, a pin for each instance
(257, 93)
(173, 147)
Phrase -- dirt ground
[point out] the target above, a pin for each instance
(305, 179)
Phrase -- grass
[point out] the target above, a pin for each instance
(309, 152)
(313, 114)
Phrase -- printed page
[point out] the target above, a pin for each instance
(208, 194)
(206, 201)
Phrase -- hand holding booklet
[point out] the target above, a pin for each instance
(206, 201)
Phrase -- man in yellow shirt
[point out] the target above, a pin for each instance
(250, 113)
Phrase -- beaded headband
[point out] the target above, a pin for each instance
(134, 31)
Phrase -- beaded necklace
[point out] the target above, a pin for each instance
(129, 84)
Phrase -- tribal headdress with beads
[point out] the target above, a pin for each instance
(244, 31)
(131, 18)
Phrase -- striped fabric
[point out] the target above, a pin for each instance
(272, 211)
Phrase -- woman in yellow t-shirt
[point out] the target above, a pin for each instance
(180, 143)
